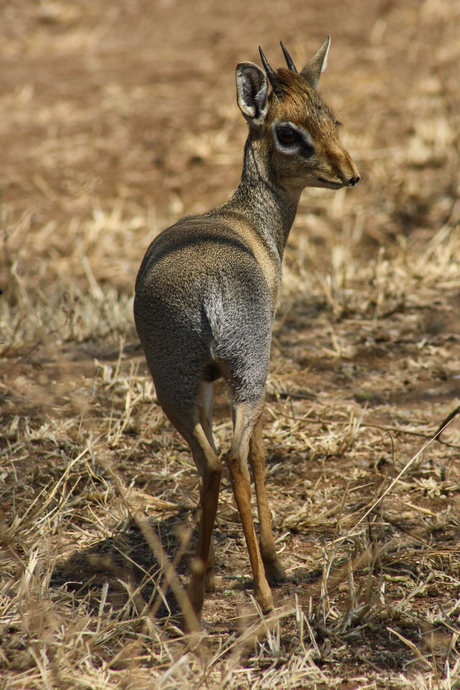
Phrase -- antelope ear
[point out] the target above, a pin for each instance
(252, 89)
(312, 70)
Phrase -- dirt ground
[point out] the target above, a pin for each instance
(116, 119)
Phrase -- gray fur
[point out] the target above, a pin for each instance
(203, 310)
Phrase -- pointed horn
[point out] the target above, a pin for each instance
(288, 58)
(271, 74)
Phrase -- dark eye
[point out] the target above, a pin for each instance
(287, 135)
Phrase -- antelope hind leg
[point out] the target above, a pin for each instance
(210, 472)
(274, 571)
(237, 463)
(207, 404)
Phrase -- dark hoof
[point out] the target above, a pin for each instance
(210, 581)
(274, 571)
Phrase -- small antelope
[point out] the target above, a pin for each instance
(207, 291)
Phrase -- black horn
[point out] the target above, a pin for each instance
(288, 58)
(271, 75)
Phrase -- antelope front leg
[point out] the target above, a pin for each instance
(274, 571)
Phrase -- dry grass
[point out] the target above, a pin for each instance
(98, 494)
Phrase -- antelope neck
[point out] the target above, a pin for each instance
(270, 207)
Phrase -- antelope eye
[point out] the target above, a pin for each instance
(287, 135)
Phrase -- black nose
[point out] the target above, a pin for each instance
(353, 181)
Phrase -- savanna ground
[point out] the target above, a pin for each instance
(115, 120)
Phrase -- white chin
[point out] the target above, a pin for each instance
(330, 185)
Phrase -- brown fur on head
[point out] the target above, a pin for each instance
(299, 103)
(297, 131)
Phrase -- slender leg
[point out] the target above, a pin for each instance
(210, 472)
(274, 571)
(207, 403)
(209, 469)
(237, 463)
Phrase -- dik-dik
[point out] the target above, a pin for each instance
(207, 292)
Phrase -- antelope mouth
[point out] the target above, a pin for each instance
(331, 184)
